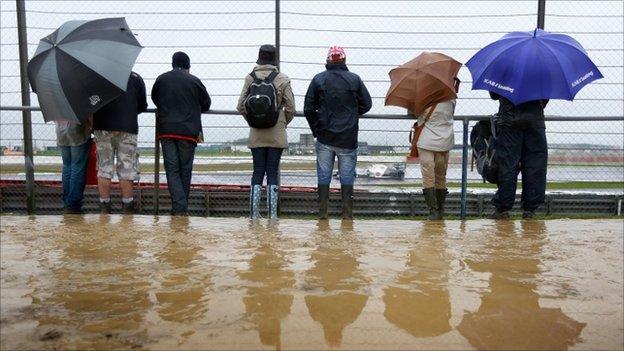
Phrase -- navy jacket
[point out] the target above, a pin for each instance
(121, 114)
(334, 101)
(528, 114)
(180, 98)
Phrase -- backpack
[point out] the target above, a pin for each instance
(261, 102)
(483, 142)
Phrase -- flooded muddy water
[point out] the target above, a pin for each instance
(141, 282)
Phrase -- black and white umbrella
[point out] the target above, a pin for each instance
(82, 66)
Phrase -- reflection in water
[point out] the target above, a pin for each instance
(107, 282)
(98, 285)
(336, 272)
(181, 295)
(510, 316)
(269, 297)
(420, 303)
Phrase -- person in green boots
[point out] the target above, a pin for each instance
(434, 144)
(335, 100)
(268, 105)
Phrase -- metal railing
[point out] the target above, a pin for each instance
(30, 166)
(359, 28)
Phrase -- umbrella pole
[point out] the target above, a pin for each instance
(464, 183)
(541, 13)
(26, 116)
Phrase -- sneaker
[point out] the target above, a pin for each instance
(499, 215)
(528, 214)
(105, 207)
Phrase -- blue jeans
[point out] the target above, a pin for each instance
(265, 161)
(74, 174)
(178, 156)
(325, 156)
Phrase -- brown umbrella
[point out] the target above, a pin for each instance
(427, 79)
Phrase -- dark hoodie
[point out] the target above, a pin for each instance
(334, 101)
(121, 114)
(525, 115)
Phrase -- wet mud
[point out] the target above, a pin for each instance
(141, 282)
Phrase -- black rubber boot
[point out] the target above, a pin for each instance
(323, 200)
(499, 215)
(441, 199)
(432, 204)
(347, 201)
(528, 214)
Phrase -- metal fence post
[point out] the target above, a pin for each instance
(541, 13)
(464, 183)
(156, 198)
(26, 116)
(277, 32)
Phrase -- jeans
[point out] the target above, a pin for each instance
(325, 156)
(178, 157)
(74, 174)
(521, 151)
(265, 161)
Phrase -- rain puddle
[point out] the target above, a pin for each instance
(143, 282)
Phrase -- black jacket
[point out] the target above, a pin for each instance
(527, 114)
(121, 113)
(334, 101)
(180, 98)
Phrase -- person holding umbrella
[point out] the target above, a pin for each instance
(522, 70)
(77, 69)
(427, 86)
(180, 98)
(116, 128)
(335, 100)
(436, 140)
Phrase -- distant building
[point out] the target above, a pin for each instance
(305, 146)
(306, 139)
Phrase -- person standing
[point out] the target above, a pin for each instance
(333, 103)
(73, 140)
(180, 98)
(521, 147)
(115, 128)
(266, 141)
(436, 140)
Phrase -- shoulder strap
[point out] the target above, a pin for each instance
(271, 77)
(255, 77)
(430, 112)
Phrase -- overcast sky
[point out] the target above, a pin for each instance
(388, 33)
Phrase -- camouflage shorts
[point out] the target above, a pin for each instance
(120, 145)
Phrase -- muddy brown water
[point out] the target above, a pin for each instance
(106, 282)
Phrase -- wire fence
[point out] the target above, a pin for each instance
(222, 39)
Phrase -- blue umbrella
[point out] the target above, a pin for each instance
(525, 66)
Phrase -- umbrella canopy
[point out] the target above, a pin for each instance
(526, 66)
(82, 66)
(426, 79)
